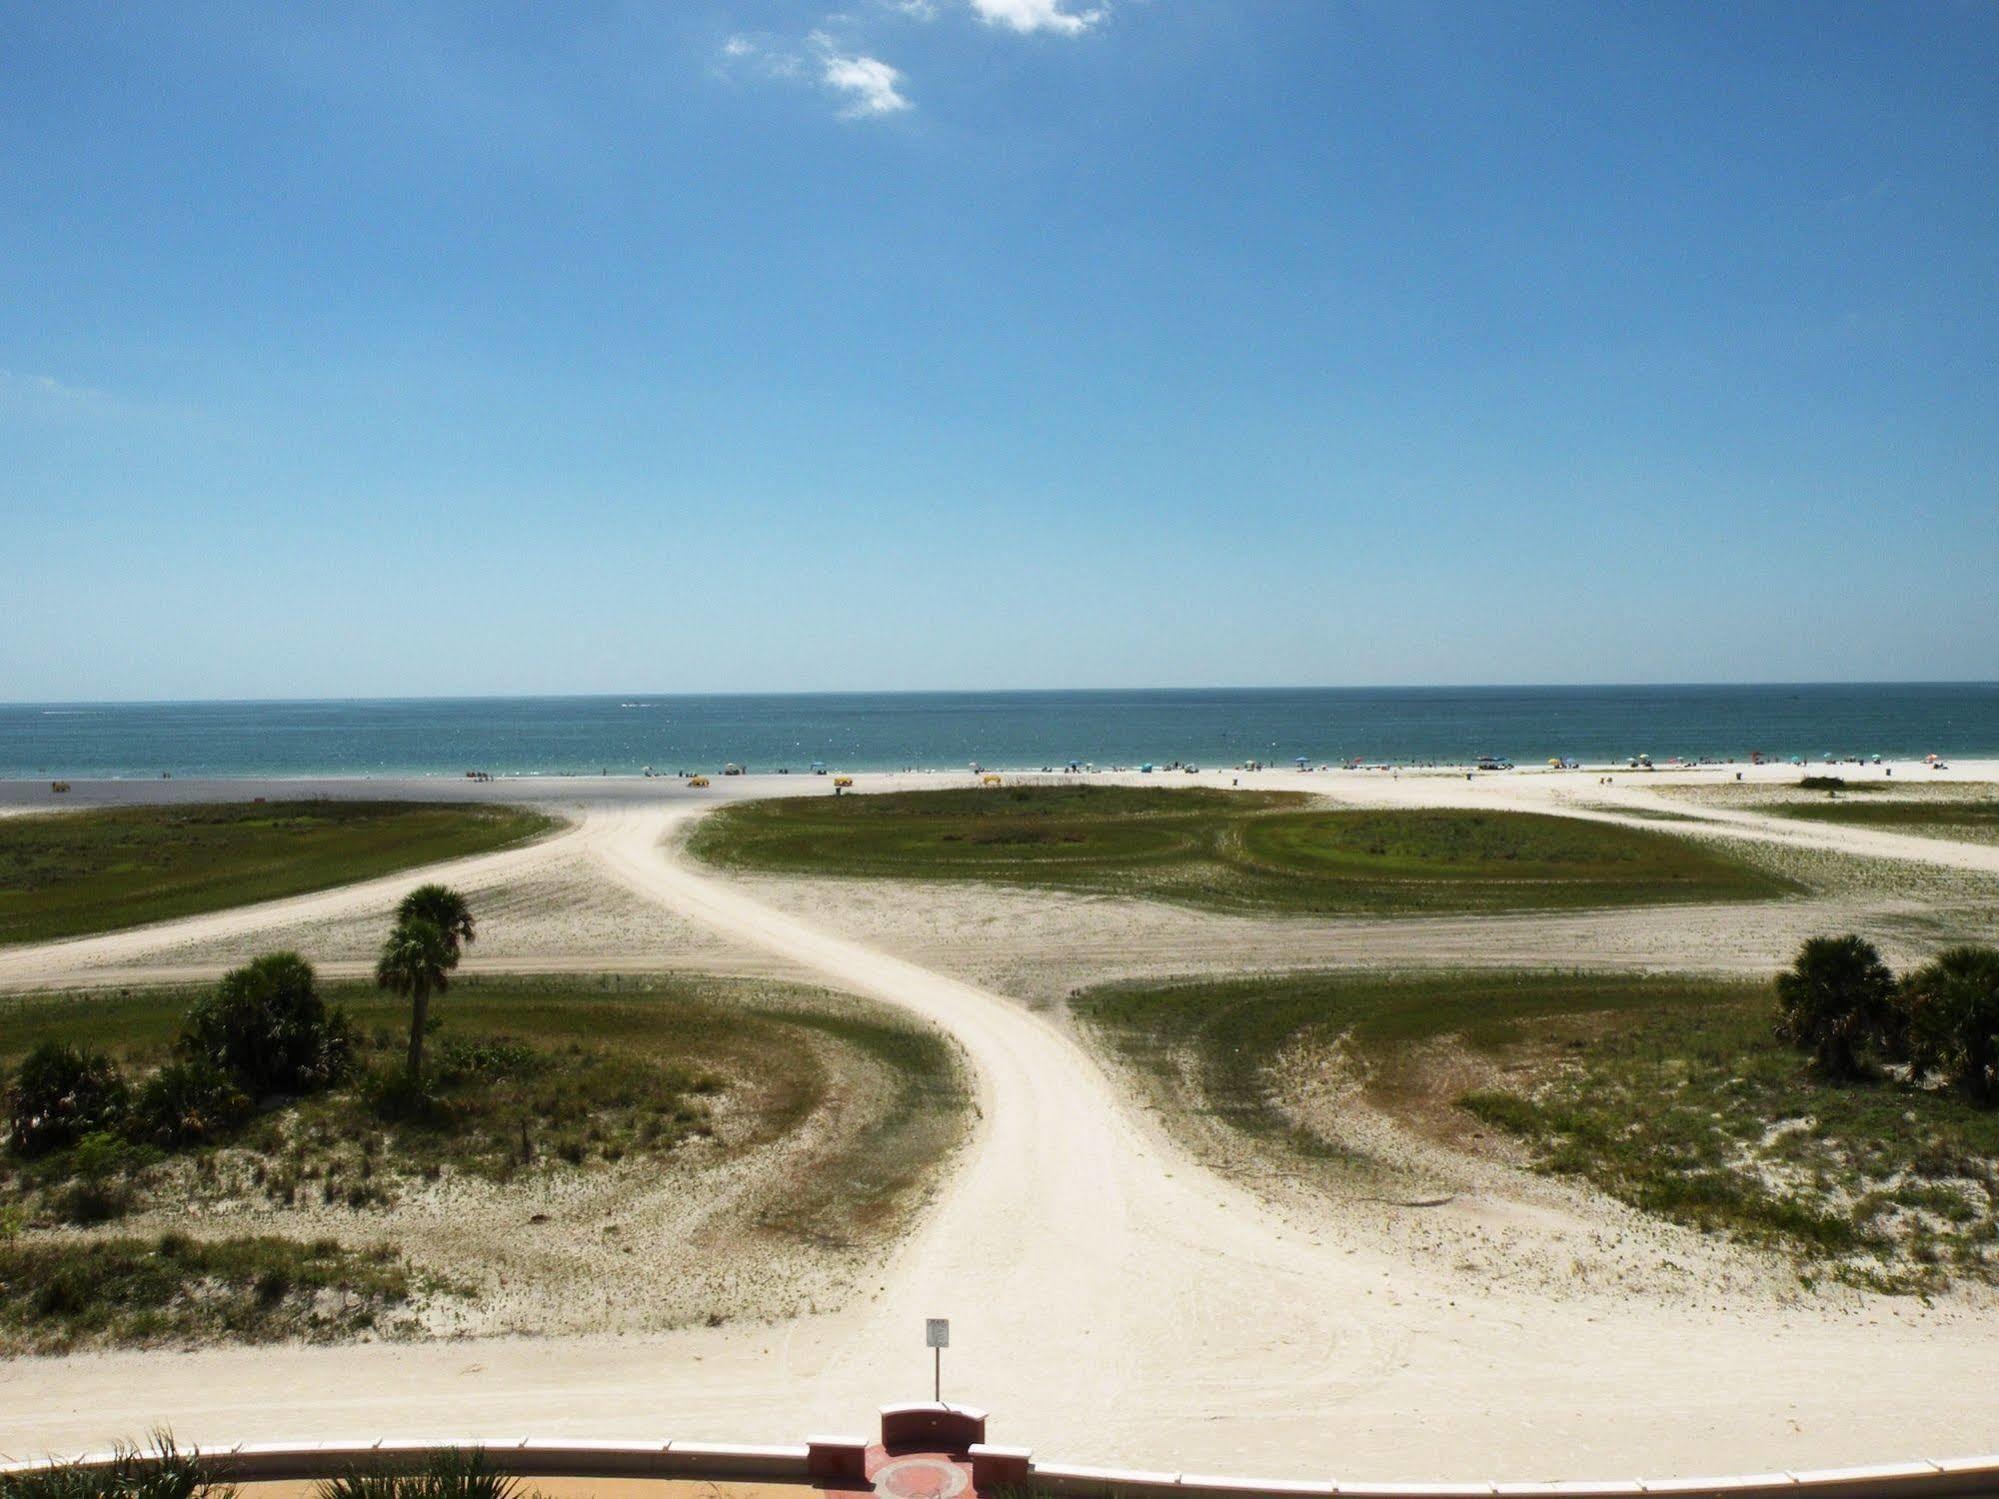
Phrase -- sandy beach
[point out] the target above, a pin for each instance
(1118, 1294)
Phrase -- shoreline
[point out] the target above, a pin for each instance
(1166, 768)
(1138, 766)
(20, 793)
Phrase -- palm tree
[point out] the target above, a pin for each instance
(416, 963)
(446, 908)
(1837, 1002)
(1950, 1009)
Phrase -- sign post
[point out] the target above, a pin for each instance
(937, 1337)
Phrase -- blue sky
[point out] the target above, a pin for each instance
(356, 350)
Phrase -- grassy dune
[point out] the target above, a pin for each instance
(174, 1289)
(1962, 811)
(70, 873)
(1670, 1093)
(1264, 851)
(1960, 821)
(539, 1084)
(587, 1071)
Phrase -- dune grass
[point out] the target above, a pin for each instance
(533, 1082)
(71, 873)
(1233, 851)
(1221, 1037)
(543, 1074)
(1670, 1093)
(1960, 821)
(1963, 811)
(58, 1295)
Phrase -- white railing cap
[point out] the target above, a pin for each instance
(781, 1450)
(1304, 1488)
(1726, 1484)
(1924, 1469)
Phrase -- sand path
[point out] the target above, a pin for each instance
(1632, 801)
(1111, 1301)
(46, 962)
(555, 910)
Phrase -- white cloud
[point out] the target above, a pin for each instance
(866, 84)
(1037, 15)
(48, 394)
(868, 87)
(756, 56)
(869, 83)
(40, 397)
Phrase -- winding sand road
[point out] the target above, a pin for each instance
(1111, 1301)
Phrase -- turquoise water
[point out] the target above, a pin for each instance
(1016, 730)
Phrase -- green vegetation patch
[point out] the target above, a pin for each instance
(1960, 821)
(1426, 860)
(60, 1294)
(564, 1086)
(529, 1077)
(70, 873)
(888, 1161)
(1231, 851)
(1962, 811)
(1670, 1093)
(1059, 834)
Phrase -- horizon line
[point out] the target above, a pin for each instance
(502, 697)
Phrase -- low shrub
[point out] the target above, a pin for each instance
(395, 1097)
(267, 1027)
(185, 1103)
(487, 1058)
(173, 1289)
(103, 1172)
(60, 1094)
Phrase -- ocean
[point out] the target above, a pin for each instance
(1009, 730)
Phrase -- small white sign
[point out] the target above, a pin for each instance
(936, 1332)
